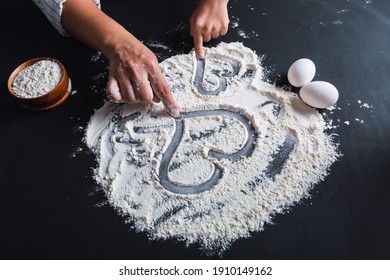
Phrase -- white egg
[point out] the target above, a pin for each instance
(319, 94)
(301, 72)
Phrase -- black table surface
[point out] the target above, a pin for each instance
(50, 206)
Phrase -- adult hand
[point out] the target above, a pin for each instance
(209, 20)
(135, 75)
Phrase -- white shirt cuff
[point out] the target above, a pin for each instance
(53, 12)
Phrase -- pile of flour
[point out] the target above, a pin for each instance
(37, 79)
(242, 151)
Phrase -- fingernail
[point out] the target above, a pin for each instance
(200, 54)
(174, 112)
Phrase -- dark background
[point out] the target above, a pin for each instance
(50, 206)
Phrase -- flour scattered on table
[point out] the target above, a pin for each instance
(362, 112)
(242, 151)
(245, 34)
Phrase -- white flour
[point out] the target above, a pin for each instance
(37, 79)
(242, 151)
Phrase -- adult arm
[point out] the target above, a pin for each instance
(134, 75)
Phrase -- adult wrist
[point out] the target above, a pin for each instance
(115, 42)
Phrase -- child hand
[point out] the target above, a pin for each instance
(209, 20)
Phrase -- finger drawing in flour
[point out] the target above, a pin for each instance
(242, 151)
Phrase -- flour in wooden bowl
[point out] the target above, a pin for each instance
(37, 79)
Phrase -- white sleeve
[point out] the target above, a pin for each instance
(53, 11)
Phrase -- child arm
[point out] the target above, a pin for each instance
(209, 20)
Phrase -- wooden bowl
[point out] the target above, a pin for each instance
(49, 100)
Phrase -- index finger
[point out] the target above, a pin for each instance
(198, 41)
(161, 89)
